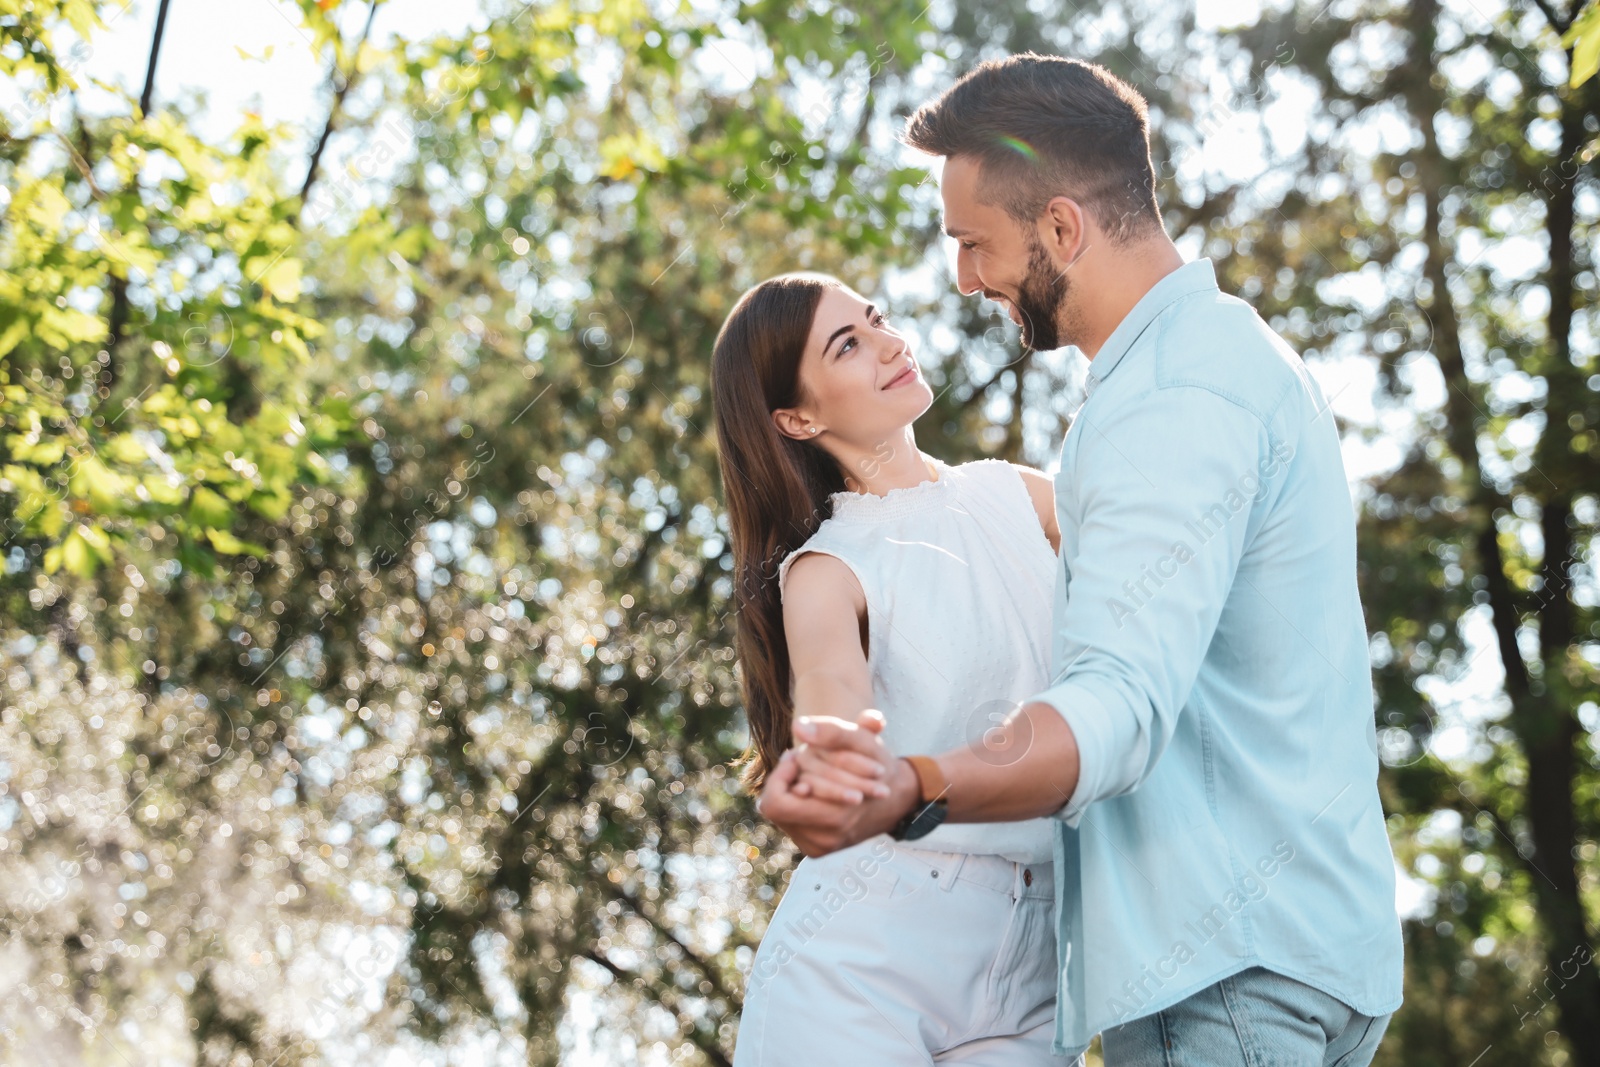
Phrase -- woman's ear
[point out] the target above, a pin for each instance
(793, 425)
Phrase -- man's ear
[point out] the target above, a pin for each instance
(792, 424)
(1064, 231)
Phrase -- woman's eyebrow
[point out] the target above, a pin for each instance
(841, 331)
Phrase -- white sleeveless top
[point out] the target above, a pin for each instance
(959, 581)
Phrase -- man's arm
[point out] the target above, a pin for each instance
(1024, 769)
(1166, 491)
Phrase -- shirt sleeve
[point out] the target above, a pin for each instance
(1164, 489)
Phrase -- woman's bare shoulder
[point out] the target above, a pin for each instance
(1042, 489)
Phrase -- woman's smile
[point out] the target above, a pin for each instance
(905, 377)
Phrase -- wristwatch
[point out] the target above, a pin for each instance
(931, 807)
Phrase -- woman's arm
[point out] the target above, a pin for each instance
(1043, 492)
(823, 614)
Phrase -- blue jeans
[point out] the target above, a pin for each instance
(1254, 1019)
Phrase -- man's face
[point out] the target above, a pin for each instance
(1002, 259)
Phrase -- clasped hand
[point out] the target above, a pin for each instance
(838, 785)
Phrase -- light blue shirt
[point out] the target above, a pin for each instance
(1211, 658)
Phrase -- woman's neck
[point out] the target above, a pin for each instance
(894, 463)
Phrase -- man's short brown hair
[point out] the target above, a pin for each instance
(1048, 126)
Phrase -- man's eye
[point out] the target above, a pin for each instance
(968, 245)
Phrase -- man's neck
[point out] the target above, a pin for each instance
(1123, 275)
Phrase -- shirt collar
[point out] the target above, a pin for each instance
(1194, 277)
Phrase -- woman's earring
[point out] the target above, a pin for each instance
(813, 429)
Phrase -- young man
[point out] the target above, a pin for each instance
(1225, 883)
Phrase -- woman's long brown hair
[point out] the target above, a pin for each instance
(776, 488)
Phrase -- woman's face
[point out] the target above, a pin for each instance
(858, 378)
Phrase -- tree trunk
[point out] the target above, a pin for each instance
(1546, 727)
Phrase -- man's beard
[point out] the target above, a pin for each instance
(1040, 298)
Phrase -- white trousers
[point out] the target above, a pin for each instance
(885, 954)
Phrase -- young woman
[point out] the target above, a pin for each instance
(870, 575)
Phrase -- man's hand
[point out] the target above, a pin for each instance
(843, 774)
(820, 826)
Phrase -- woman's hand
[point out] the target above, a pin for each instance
(821, 826)
(842, 775)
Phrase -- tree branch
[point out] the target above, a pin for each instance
(700, 964)
(664, 996)
(341, 88)
(117, 319)
(1214, 206)
(1503, 609)
(150, 67)
(1556, 631)
(1013, 446)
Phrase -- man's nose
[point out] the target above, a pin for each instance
(967, 281)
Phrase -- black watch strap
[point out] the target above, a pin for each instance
(921, 820)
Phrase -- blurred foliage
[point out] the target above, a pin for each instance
(367, 674)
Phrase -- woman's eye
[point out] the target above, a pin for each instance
(849, 343)
(879, 321)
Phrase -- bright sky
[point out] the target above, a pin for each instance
(205, 45)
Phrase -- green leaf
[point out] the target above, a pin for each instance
(125, 448)
(209, 509)
(229, 545)
(105, 489)
(38, 508)
(273, 505)
(197, 560)
(161, 490)
(13, 334)
(82, 553)
(1583, 37)
(282, 280)
(45, 453)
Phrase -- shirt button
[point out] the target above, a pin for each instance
(1027, 876)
